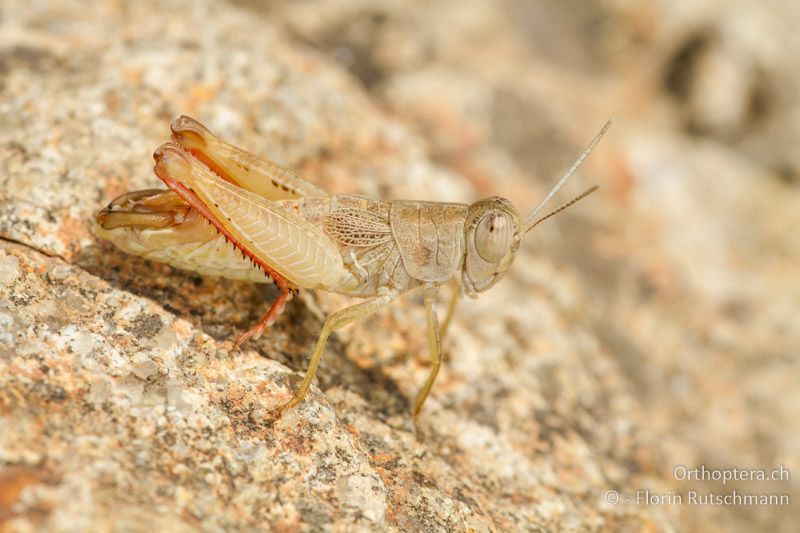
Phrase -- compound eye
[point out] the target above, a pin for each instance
(493, 236)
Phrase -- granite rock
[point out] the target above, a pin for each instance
(650, 326)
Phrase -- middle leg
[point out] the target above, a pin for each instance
(335, 321)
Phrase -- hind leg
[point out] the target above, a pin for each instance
(272, 314)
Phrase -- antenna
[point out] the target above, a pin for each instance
(581, 196)
(530, 218)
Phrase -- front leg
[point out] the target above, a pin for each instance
(455, 289)
(335, 321)
(434, 344)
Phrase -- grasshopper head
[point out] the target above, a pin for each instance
(493, 232)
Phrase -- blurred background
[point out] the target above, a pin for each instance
(678, 282)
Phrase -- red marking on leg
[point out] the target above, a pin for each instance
(193, 200)
(190, 197)
(274, 312)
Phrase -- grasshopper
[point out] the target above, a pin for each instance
(229, 213)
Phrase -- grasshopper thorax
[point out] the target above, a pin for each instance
(493, 232)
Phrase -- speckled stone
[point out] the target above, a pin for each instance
(652, 325)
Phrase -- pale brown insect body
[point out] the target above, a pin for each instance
(266, 220)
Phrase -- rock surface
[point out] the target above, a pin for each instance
(651, 326)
